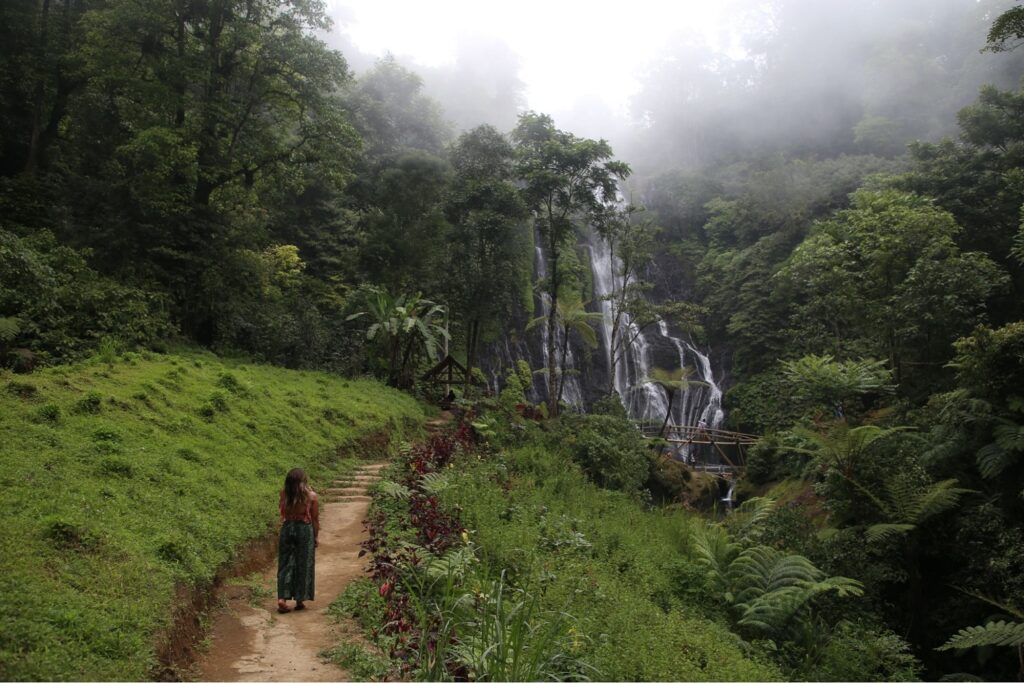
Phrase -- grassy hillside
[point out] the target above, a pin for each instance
(624, 573)
(125, 476)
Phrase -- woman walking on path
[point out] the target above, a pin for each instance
(296, 549)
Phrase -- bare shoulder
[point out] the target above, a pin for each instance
(313, 496)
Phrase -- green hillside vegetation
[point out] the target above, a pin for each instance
(125, 477)
(626, 575)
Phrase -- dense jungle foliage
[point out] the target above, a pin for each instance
(848, 240)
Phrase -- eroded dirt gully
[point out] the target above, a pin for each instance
(250, 643)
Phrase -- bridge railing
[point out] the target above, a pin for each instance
(697, 434)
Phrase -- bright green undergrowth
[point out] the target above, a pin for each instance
(625, 574)
(127, 476)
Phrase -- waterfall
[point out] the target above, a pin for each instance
(643, 399)
(728, 500)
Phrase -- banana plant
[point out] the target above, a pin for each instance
(404, 327)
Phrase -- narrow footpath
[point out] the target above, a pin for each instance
(256, 643)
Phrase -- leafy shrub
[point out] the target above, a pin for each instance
(360, 662)
(362, 601)
(105, 434)
(49, 413)
(22, 390)
(188, 454)
(116, 467)
(855, 652)
(108, 350)
(69, 535)
(228, 381)
(91, 403)
(219, 401)
(66, 308)
(177, 550)
(609, 449)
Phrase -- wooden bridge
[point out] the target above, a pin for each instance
(718, 439)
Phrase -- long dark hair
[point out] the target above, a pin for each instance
(296, 488)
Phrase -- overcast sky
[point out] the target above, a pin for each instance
(571, 50)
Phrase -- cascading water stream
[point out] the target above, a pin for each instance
(643, 399)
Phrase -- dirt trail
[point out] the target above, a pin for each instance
(258, 644)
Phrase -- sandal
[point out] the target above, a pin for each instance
(299, 606)
(283, 609)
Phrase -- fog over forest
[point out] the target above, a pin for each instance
(822, 77)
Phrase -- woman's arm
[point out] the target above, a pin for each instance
(314, 512)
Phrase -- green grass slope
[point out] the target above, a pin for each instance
(123, 480)
(624, 573)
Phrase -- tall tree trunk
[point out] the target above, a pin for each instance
(668, 413)
(471, 342)
(615, 346)
(565, 352)
(405, 372)
(39, 96)
(552, 326)
(181, 83)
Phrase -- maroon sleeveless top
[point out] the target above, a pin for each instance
(301, 515)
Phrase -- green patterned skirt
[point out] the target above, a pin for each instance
(296, 554)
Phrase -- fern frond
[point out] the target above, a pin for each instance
(433, 483)
(393, 489)
(880, 532)
(793, 570)
(841, 585)
(748, 574)
(454, 563)
(716, 552)
(1009, 609)
(9, 328)
(992, 633)
(935, 499)
(1003, 451)
(750, 514)
(770, 612)
(761, 570)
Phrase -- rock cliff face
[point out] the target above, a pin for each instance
(656, 346)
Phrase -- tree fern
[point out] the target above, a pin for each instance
(907, 504)
(842, 446)
(769, 590)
